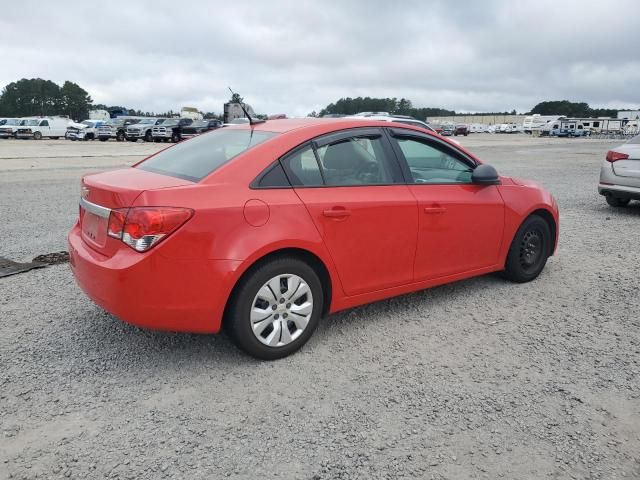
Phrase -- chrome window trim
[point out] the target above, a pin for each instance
(98, 210)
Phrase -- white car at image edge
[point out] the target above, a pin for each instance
(620, 174)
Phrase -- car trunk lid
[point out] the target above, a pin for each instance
(103, 192)
(630, 166)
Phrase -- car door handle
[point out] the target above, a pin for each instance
(434, 209)
(336, 213)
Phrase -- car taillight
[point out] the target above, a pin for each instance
(116, 222)
(615, 156)
(143, 227)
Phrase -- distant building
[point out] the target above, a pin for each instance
(629, 115)
(234, 110)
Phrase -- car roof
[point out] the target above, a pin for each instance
(290, 124)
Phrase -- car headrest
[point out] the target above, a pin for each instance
(344, 156)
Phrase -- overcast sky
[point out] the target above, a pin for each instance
(297, 56)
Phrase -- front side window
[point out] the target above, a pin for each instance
(432, 163)
(197, 158)
(44, 123)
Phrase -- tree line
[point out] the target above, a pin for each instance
(351, 106)
(573, 109)
(38, 97)
(403, 106)
(35, 97)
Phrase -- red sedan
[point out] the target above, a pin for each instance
(266, 228)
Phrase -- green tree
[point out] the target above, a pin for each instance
(76, 102)
(350, 106)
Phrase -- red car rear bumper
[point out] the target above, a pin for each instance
(153, 291)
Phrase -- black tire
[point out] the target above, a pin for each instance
(617, 201)
(120, 136)
(175, 137)
(37, 135)
(529, 251)
(147, 136)
(237, 320)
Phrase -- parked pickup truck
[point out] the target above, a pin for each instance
(142, 129)
(37, 128)
(170, 130)
(200, 126)
(9, 127)
(461, 129)
(87, 130)
(115, 128)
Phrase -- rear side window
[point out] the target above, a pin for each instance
(355, 161)
(196, 158)
(302, 168)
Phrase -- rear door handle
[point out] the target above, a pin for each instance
(434, 209)
(336, 213)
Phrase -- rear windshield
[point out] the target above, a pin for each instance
(196, 158)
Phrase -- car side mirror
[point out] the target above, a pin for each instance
(485, 175)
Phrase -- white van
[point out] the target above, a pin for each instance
(37, 128)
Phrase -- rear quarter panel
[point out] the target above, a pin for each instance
(221, 230)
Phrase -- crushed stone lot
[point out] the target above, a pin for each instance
(478, 379)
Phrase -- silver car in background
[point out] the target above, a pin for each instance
(620, 174)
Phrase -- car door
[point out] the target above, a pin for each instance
(352, 187)
(460, 224)
(44, 128)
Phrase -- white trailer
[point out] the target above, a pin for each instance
(536, 122)
(99, 115)
(190, 112)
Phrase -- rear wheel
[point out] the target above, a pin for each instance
(175, 137)
(530, 248)
(616, 201)
(275, 308)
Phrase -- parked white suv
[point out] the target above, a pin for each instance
(37, 128)
(9, 127)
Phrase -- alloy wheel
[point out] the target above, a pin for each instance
(281, 310)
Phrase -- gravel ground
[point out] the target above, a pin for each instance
(478, 379)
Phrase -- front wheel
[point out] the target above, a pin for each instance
(37, 136)
(120, 136)
(275, 308)
(175, 137)
(616, 201)
(147, 136)
(530, 248)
